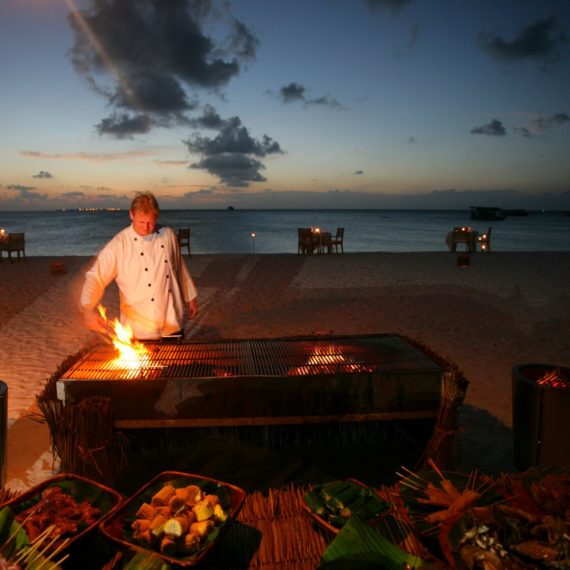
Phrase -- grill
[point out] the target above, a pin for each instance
(264, 357)
(541, 404)
(284, 380)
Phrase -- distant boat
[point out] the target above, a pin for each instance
(515, 212)
(231, 208)
(483, 213)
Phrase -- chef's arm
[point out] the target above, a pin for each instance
(97, 279)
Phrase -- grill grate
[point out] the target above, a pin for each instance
(303, 356)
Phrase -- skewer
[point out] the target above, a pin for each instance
(23, 554)
(411, 473)
(52, 555)
(49, 559)
(435, 468)
(408, 483)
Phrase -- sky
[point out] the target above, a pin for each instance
(438, 104)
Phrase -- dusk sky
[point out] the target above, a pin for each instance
(285, 104)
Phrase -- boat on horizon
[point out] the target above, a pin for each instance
(515, 212)
(486, 213)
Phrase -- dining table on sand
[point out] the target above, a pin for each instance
(323, 241)
(462, 235)
(314, 240)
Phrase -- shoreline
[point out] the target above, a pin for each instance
(507, 308)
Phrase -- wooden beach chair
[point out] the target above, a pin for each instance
(306, 242)
(462, 235)
(484, 240)
(16, 242)
(183, 236)
(338, 239)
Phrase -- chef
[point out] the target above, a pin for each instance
(155, 286)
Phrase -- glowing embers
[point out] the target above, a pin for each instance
(555, 378)
(328, 359)
(133, 355)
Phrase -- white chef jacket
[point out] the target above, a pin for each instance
(153, 279)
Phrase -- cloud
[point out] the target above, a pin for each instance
(210, 119)
(233, 154)
(413, 140)
(344, 198)
(171, 162)
(537, 126)
(525, 132)
(413, 37)
(389, 4)
(89, 156)
(124, 125)
(148, 58)
(26, 193)
(494, 129)
(76, 194)
(294, 92)
(538, 40)
(43, 174)
(551, 121)
(200, 192)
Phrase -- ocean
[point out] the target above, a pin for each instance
(71, 232)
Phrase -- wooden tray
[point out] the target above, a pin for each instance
(117, 528)
(80, 488)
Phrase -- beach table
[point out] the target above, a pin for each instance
(462, 235)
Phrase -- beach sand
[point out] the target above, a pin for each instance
(504, 309)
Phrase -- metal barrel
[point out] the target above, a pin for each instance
(540, 417)
(3, 431)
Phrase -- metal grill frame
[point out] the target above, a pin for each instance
(281, 357)
(240, 382)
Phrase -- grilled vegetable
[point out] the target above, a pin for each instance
(337, 501)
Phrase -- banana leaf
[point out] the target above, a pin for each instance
(14, 542)
(81, 489)
(332, 504)
(146, 561)
(360, 546)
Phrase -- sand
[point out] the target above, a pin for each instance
(504, 309)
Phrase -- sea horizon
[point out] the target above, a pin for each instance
(85, 231)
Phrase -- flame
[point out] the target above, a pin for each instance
(323, 359)
(132, 353)
(554, 379)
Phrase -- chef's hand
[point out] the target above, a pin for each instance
(192, 309)
(94, 321)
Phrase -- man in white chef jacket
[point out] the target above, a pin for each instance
(154, 283)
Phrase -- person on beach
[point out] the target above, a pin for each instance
(154, 282)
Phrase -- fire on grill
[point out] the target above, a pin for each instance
(284, 380)
(555, 378)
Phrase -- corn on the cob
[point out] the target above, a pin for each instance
(163, 496)
(146, 511)
(157, 525)
(194, 494)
